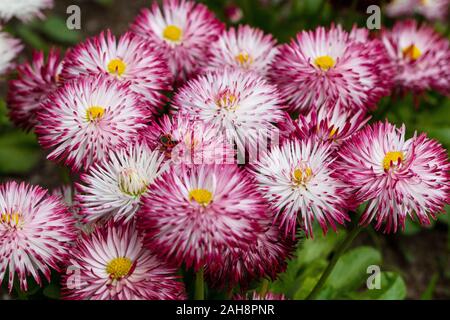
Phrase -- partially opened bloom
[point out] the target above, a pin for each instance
(398, 177)
(328, 65)
(9, 49)
(333, 125)
(192, 215)
(125, 59)
(243, 106)
(297, 179)
(114, 187)
(112, 264)
(87, 118)
(35, 233)
(421, 56)
(265, 257)
(245, 48)
(182, 30)
(36, 80)
(185, 141)
(24, 10)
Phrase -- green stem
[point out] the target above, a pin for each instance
(199, 285)
(264, 288)
(351, 235)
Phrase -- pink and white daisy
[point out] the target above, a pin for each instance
(297, 179)
(112, 264)
(245, 48)
(397, 8)
(9, 49)
(421, 56)
(193, 214)
(114, 187)
(185, 141)
(182, 30)
(36, 80)
(266, 257)
(433, 9)
(87, 118)
(333, 125)
(241, 105)
(328, 66)
(430, 9)
(35, 233)
(125, 59)
(24, 10)
(398, 177)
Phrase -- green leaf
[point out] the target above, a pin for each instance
(56, 29)
(309, 278)
(4, 119)
(319, 247)
(30, 37)
(393, 287)
(351, 269)
(428, 293)
(19, 152)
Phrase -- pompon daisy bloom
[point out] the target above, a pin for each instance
(297, 179)
(430, 9)
(9, 49)
(244, 48)
(421, 55)
(333, 125)
(258, 296)
(112, 264)
(433, 9)
(113, 188)
(24, 10)
(87, 118)
(35, 232)
(193, 214)
(240, 104)
(36, 80)
(266, 257)
(185, 141)
(182, 30)
(398, 177)
(327, 65)
(126, 59)
(397, 8)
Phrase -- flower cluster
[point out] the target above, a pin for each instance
(259, 143)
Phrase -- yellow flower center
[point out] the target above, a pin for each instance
(227, 100)
(392, 158)
(11, 219)
(130, 183)
(324, 62)
(333, 131)
(302, 175)
(117, 67)
(118, 268)
(95, 113)
(411, 52)
(201, 196)
(172, 33)
(244, 59)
